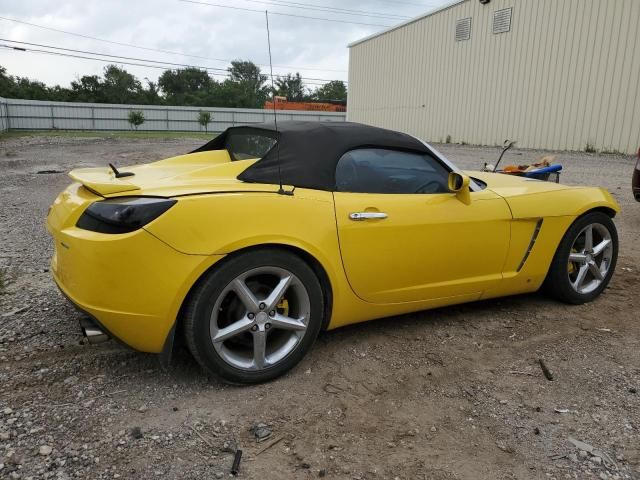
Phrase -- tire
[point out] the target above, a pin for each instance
(254, 317)
(562, 281)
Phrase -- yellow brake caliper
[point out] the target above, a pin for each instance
(572, 268)
(283, 307)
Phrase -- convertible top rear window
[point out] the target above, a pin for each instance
(244, 144)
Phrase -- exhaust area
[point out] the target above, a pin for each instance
(93, 333)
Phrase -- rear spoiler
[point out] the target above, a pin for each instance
(102, 181)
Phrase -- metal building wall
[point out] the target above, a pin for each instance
(43, 115)
(566, 76)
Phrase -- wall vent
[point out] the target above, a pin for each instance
(463, 29)
(502, 20)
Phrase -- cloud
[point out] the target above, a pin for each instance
(316, 49)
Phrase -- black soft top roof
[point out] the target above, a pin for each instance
(307, 153)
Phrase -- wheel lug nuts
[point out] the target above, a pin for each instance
(262, 306)
(251, 316)
(254, 328)
(267, 326)
(272, 313)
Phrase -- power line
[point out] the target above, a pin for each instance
(35, 50)
(284, 14)
(140, 47)
(335, 10)
(184, 65)
(136, 64)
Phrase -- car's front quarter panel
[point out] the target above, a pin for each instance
(566, 202)
(556, 208)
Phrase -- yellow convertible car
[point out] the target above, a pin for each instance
(251, 245)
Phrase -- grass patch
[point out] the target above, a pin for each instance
(100, 134)
(612, 152)
(590, 148)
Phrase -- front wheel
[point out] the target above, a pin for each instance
(253, 318)
(585, 260)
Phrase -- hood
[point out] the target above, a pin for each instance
(189, 174)
(512, 185)
(529, 198)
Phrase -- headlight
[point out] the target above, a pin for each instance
(123, 215)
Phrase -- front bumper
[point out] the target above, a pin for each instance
(133, 284)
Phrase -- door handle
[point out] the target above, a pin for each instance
(359, 216)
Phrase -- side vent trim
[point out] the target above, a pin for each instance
(534, 237)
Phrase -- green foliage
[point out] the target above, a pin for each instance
(136, 118)
(333, 90)
(448, 140)
(11, 86)
(204, 118)
(185, 87)
(590, 148)
(245, 88)
(291, 86)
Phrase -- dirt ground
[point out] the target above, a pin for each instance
(454, 393)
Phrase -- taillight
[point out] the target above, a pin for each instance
(123, 215)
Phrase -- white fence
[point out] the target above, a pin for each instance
(4, 116)
(44, 115)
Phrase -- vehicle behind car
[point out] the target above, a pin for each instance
(636, 179)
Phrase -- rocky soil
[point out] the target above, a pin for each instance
(455, 393)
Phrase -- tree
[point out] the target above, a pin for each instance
(120, 86)
(204, 118)
(21, 87)
(245, 86)
(186, 86)
(151, 95)
(333, 90)
(116, 86)
(6, 83)
(136, 118)
(88, 88)
(291, 86)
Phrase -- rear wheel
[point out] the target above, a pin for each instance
(254, 318)
(585, 260)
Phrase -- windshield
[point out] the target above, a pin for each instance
(244, 145)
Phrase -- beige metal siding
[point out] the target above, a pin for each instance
(566, 76)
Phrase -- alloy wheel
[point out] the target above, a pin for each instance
(259, 318)
(590, 258)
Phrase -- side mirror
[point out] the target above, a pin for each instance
(459, 184)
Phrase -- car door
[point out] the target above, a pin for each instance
(404, 237)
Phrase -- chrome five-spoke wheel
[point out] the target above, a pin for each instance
(585, 259)
(253, 317)
(590, 258)
(259, 318)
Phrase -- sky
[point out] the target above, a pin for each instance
(192, 33)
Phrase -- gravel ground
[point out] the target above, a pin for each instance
(454, 393)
